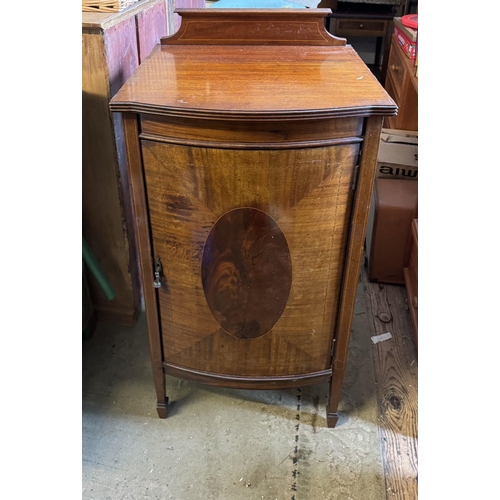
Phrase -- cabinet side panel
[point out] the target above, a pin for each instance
(357, 235)
(306, 196)
(102, 209)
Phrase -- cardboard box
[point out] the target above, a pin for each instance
(409, 33)
(406, 38)
(393, 208)
(398, 155)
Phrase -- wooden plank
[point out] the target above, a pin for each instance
(396, 377)
(104, 207)
(110, 55)
(105, 20)
(106, 5)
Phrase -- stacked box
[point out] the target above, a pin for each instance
(398, 155)
(393, 206)
(406, 38)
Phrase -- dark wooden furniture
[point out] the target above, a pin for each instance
(402, 85)
(368, 18)
(252, 139)
(411, 278)
(113, 45)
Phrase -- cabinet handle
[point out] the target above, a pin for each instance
(158, 273)
(394, 67)
(361, 26)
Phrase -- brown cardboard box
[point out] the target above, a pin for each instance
(394, 206)
(398, 155)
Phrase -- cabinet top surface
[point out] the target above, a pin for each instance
(259, 78)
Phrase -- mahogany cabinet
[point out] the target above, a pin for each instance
(252, 139)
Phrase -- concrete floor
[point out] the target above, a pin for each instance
(219, 443)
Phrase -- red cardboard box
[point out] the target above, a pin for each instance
(406, 38)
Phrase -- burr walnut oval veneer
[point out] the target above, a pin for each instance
(252, 138)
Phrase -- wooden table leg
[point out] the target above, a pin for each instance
(387, 48)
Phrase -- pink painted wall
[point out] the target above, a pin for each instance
(186, 4)
(151, 26)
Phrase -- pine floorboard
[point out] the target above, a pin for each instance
(396, 378)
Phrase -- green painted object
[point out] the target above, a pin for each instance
(96, 270)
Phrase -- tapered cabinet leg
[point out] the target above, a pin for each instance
(332, 419)
(332, 415)
(131, 129)
(354, 253)
(162, 400)
(161, 408)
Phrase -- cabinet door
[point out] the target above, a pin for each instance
(252, 244)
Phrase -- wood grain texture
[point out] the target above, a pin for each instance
(110, 53)
(229, 129)
(252, 27)
(106, 213)
(267, 82)
(122, 56)
(106, 5)
(307, 192)
(387, 49)
(397, 387)
(359, 221)
(104, 20)
(411, 279)
(246, 272)
(402, 85)
(131, 128)
(268, 134)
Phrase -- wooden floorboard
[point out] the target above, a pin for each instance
(395, 362)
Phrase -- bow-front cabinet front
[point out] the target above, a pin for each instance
(252, 138)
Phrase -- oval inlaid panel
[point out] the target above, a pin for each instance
(246, 272)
